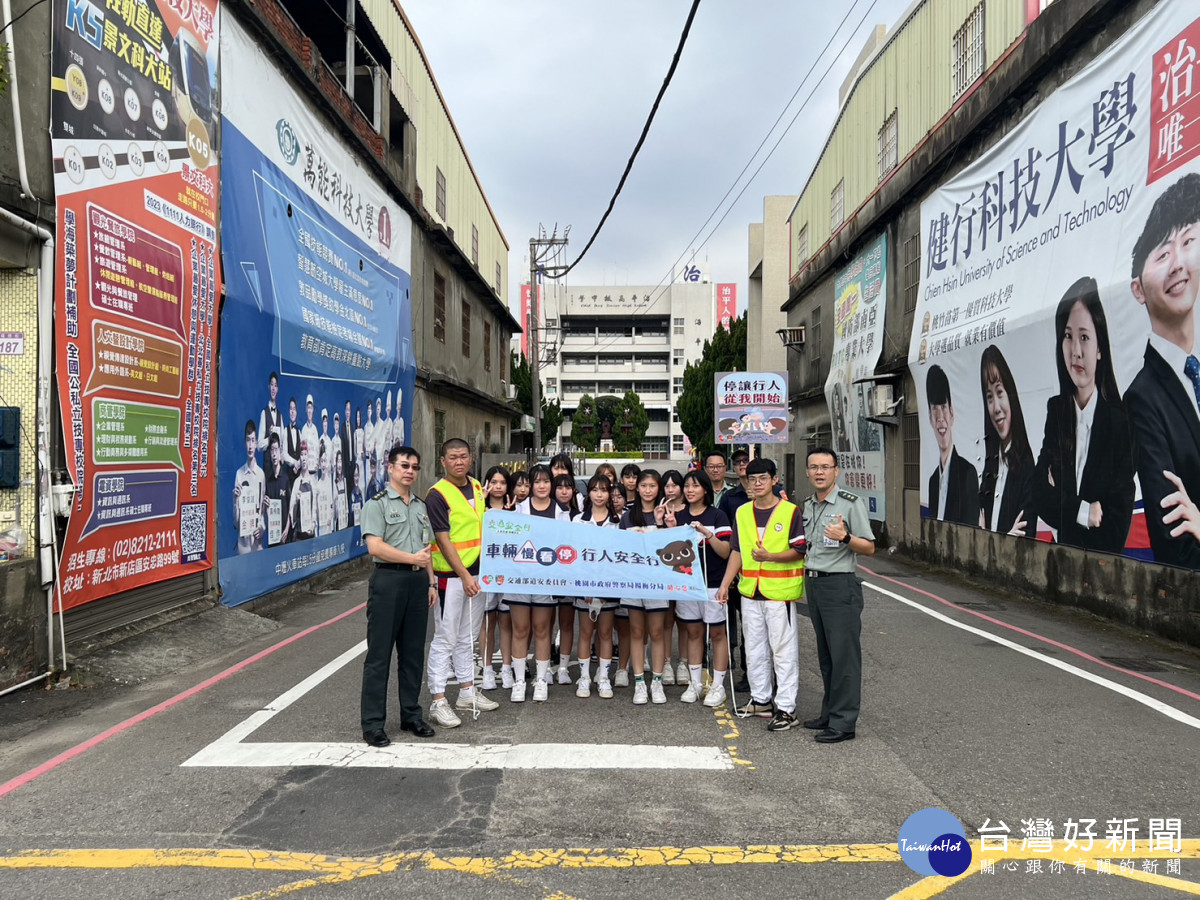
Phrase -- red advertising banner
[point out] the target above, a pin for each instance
(133, 128)
(726, 304)
(525, 295)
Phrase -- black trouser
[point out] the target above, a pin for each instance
(835, 607)
(397, 616)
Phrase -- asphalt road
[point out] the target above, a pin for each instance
(220, 757)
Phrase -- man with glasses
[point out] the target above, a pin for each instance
(395, 526)
(717, 468)
(456, 506)
(839, 528)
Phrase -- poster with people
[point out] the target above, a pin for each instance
(135, 142)
(860, 298)
(1054, 345)
(317, 372)
(750, 407)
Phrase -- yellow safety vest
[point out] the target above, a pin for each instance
(466, 524)
(774, 580)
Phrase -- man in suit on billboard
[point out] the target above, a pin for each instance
(954, 484)
(1163, 401)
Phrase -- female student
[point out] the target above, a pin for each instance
(1083, 484)
(560, 464)
(630, 473)
(566, 495)
(621, 679)
(495, 488)
(714, 530)
(1006, 487)
(518, 488)
(673, 503)
(646, 615)
(530, 611)
(596, 616)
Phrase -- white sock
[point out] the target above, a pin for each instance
(466, 690)
(585, 667)
(518, 670)
(718, 677)
(504, 669)
(695, 672)
(491, 669)
(602, 669)
(543, 666)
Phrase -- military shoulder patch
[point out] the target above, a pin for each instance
(846, 495)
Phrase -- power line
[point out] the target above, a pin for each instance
(687, 27)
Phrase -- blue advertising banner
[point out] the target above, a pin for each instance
(530, 555)
(317, 363)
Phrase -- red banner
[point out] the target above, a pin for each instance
(137, 283)
(726, 304)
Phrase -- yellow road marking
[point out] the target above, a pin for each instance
(726, 719)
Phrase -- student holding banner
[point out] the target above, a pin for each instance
(596, 615)
(456, 506)
(567, 496)
(496, 614)
(646, 615)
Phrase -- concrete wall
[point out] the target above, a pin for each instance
(23, 650)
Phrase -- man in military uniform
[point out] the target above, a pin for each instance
(839, 530)
(395, 526)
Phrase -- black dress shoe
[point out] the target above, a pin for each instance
(833, 736)
(377, 738)
(817, 724)
(417, 727)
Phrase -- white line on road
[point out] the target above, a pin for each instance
(1145, 699)
(229, 750)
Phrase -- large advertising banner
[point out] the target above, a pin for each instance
(134, 138)
(860, 298)
(726, 304)
(317, 370)
(750, 408)
(1053, 346)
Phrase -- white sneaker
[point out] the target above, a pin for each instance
(489, 679)
(549, 676)
(584, 689)
(639, 693)
(506, 679)
(657, 694)
(482, 701)
(682, 674)
(540, 692)
(691, 695)
(622, 679)
(715, 695)
(668, 676)
(564, 674)
(605, 689)
(441, 713)
(518, 692)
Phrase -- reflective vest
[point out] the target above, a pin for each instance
(774, 580)
(466, 524)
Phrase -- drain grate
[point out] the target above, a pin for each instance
(1134, 663)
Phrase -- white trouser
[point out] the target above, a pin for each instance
(772, 640)
(456, 621)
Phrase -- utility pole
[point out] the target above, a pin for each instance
(541, 251)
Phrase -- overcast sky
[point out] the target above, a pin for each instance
(550, 97)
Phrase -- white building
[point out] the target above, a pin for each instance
(609, 339)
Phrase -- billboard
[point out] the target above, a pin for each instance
(317, 372)
(860, 298)
(134, 136)
(750, 408)
(1053, 345)
(726, 304)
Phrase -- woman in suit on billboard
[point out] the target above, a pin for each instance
(1006, 486)
(1083, 485)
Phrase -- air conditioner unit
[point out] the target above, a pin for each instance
(792, 337)
(510, 390)
(882, 399)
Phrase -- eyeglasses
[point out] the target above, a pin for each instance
(821, 468)
(740, 462)
(759, 479)
(716, 466)
(408, 467)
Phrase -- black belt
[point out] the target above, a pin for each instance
(812, 573)
(400, 567)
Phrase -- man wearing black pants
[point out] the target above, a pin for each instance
(395, 526)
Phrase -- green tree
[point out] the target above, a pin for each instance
(585, 425)
(552, 416)
(632, 422)
(724, 352)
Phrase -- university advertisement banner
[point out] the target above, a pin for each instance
(1053, 346)
(134, 138)
(531, 555)
(750, 408)
(860, 298)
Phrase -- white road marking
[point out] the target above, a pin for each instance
(1145, 699)
(231, 749)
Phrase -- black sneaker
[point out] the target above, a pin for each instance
(782, 721)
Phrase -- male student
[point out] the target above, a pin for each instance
(270, 420)
(1162, 401)
(309, 435)
(954, 484)
(249, 489)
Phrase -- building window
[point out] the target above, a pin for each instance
(678, 356)
(967, 57)
(440, 198)
(487, 347)
(677, 443)
(677, 385)
(551, 386)
(888, 153)
(837, 206)
(912, 452)
(466, 329)
(439, 428)
(487, 435)
(475, 245)
(499, 280)
(439, 308)
(654, 445)
(551, 324)
(815, 343)
(912, 272)
(503, 439)
(802, 246)
(675, 415)
(679, 326)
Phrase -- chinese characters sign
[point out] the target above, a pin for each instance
(137, 285)
(751, 408)
(726, 304)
